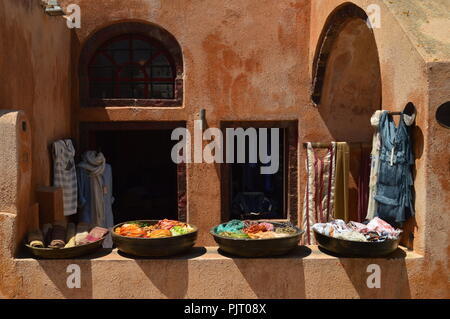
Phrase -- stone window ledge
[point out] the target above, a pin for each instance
(311, 252)
(205, 273)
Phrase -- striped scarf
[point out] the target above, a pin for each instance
(318, 204)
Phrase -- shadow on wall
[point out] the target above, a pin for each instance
(57, 273)
(275, 285)
(170, 278)
(393, 275)
(394, 282)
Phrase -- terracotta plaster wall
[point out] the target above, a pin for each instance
(438, 170)
(307, 273)
(35, 77)
(243, 60)
(407, 77)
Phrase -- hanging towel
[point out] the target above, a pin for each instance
(318, 204)
(341, 181)
(89, 196)
(64, 174)
(374, 166)
(94, 164)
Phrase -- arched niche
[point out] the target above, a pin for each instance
(347, 77)
(347, 87)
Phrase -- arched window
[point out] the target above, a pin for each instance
(132, 67)
(131, 64)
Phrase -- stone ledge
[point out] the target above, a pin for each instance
(205, 273)
(212, 253)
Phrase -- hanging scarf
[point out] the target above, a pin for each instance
(375, 165)
(318, 204)
(341, 210)
(94, 163)
(363, 184)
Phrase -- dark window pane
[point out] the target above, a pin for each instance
(132, 91)
(161, 72)
(141, 57)
(131, 72)
(160, 60)
(119, 45)
(120, 57)
(141, 45)
(139, 91)
(162, 91)
(102, 91)
(101, 72)
(101, 60)
(125, 91)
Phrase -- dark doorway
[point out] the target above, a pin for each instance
(146, 182)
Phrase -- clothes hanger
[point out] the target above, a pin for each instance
(327, 145)
(409, 110)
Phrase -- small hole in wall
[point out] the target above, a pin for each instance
(443, 115)
(24, 126)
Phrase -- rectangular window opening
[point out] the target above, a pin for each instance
(249, 194)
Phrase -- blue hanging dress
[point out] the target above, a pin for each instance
(395, 183)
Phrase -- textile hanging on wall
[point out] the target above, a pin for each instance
(95, 192)
(64, 174)
(341, 210)
(363, 184)
(395, 182)
(374, 166)
(318, 204)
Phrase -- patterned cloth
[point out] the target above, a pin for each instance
(64, 174)
(375, 165)
(318, 204)
(363, 184)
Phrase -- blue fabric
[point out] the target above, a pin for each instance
(84, 196)
(395, 182)
(232, 226)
